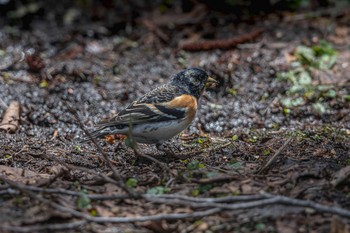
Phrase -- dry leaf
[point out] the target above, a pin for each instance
(339, 226)
(23, 175)
(341, 176)
(11, 118)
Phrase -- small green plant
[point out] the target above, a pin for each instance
(234, 137)
(97, 80)
(83, 201)
(253, 139)
(347, 98)
(195, 165)
(93, 212)
(235, 165)
(303, 85)
(231, 91)
(158, 190)
(347, 162)
(202, 140)
(266, 152)
(183, 58)
(43, 84)
(201, 189)
(131, 183)
(321, 56)
(260, 227)
(78, 149)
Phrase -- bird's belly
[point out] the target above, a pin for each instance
(158, 132)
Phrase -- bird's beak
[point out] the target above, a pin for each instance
(211, 83)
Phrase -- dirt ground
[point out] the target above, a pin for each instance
(51, 182)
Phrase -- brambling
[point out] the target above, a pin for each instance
(162, 113)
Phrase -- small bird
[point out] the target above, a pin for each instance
(162, 113)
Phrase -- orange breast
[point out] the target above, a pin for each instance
(185, 101)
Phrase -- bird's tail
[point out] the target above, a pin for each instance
(96, 134)
(100, 132)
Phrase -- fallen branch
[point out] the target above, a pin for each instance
(45, 227)
(11, 118)
(341, 176)
(221, 44)
(101, 197)
(77, 214)
(271, 200)
(212, 205)
(157, 217)
(334, 12)
(97, 197)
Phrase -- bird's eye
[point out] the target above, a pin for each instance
(194, 81)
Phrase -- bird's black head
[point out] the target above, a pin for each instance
(191, 80)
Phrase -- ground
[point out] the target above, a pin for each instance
(249, 142)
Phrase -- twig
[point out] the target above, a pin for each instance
(84, 169)
(101, 197)
(3, 104)
(46, 227)
(34, 196)
(98, 197)
(163, 165)
(75, 213)
(221, 44)
(335, 11)
(228, 199)
(215, 179)
(271, 200)
(273, 158)
(116, 174)
(158, 217)
(11, 118)
(310, 204)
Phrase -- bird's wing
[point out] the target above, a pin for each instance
(153, 107)
(161, 94)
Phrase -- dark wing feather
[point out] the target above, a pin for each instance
(149, 108)
(161, 94)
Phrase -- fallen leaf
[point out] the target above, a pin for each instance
(104, 212)
(286, 226)
(23, 176)
(57, 170)
(11, 118)
(341, 176)
(339, 226)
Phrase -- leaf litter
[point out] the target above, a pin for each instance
(240, 125)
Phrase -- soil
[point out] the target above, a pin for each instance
(54, 71)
